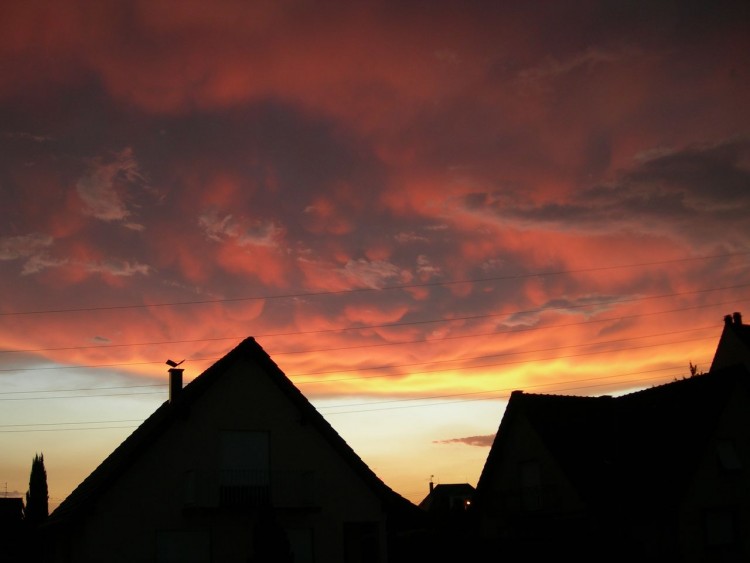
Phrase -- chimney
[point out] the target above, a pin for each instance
(727, 320)
(175, 383)
(432, 485)
(175, 379)
(737, 319)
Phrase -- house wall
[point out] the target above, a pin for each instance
(504, 512)
(719, 495)
(171, 493)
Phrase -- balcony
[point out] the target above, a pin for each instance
(280, 489)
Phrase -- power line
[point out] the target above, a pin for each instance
(81, 396)
(362, 346)
(278, 353)
(67, 429)
(430, 321)
(374, 289)
(505, 395)
(433, 397)
(453, 337)
(413, 399)
(460, 368)
(496, 364)
(467, 358)
(82, 389)
(71, 423)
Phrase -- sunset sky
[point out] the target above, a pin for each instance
(415, 207)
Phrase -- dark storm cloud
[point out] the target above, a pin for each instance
(675, 191)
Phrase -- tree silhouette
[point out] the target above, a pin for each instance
(37, 497)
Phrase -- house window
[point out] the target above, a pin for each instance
(719, 527)
(727, 454)
(361, 542)
(183, 546)
(531, 486)
(301, 544)
(245, 474)
(189, 489)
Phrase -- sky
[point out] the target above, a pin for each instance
(414, 207)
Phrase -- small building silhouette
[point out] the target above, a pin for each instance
(12, 530)
(446, 499)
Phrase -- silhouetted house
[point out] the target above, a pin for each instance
(656, 475)
(449, 536)
(450, 498)
(237, 466)
(12, 534)
(734, 344)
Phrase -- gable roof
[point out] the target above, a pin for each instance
(624, 447)
(154, 426)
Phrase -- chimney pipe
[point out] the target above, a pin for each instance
(727, 320)
(432, 485)
(737, 318)
(175, 383)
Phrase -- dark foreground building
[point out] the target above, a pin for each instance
(662, 474)
(236, 467)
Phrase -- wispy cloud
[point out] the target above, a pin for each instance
(410, 237)
(220, 228)
(23, 246)
(484, 441)
(38, 263)
(426, 269)
(104, 188)
(371, 273)
(119, 269)
(33, 249)
(554, 67)
(217, 228)
(28, 136)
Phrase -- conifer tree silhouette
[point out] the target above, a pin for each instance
(37, 497)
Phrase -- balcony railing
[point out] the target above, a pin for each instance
(280, 489)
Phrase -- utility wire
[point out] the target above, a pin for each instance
(473, 335)
(506, 389)
(68, 429)
(71, 423)
(494, 398)
(375, 289)
(499, 354)
(82, 389)
(427, 398)
(460, 368)
(362, 346)
(430, 321)
(81, 396)
(277, 353)
(496, 364)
